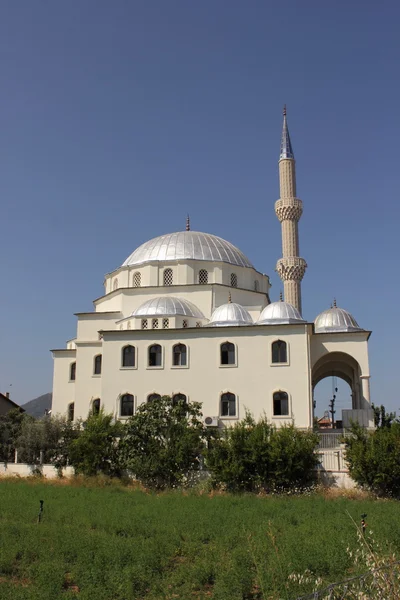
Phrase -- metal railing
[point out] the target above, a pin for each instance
(332, 440)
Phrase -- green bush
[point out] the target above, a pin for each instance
(374, 458)
(96, 449)
(163, 442)
(10, 429)
(252, 456)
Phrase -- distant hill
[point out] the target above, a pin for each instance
(37, 406)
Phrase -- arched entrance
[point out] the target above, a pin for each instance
(344, 366)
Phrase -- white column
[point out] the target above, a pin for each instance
(366, 389)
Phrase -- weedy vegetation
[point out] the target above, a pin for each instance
(101, 540)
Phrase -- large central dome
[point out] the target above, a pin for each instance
(186, 245)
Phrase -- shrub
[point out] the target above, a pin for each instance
(374, 458)
(10, 430)
(96, 449)
(163, 442)
(252, 456)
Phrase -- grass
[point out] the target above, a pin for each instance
(116, 543)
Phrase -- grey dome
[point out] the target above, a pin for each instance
(230, 314)
(280, 313)
(168, 306)
(188, 245)
(335, 319)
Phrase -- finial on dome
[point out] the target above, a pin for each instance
(230, 297)
(334, 303)
(187, 223)
(280, 296)
(286, 145)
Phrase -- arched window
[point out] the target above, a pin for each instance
(256, 286)
(155, 355)
(71, 411)
(137, 279)
(179, 398)
(152, 397)
(97, 365)
(179, 355)
(154, 324)
(233, 280)
(165, 323)
(168, 277)
(203, 276)
(228, 405)
(72, 371)
(279, 352)
(281, 404)
(126, 405)
(115, 286)
(96, 406)
(144, 323)
(227, 353)
(128, 356)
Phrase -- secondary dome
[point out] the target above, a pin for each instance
(168, 306)
(335, 319)
(230, 314)
(186, 245)
(279, 313)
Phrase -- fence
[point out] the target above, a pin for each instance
(382, 583)
(24, 470)
(331, 440)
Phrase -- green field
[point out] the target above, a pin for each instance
(116, 543)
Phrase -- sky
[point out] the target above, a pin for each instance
(119, 118)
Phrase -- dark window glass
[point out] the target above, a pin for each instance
(152, 397)
(128, 356)
(279, 352)
(228, 405)
(155, 354)
(126, 405)
(179, 355)
(179, 398)
(96, 406)
(227, 354)
(72, 371)
(71, 411)
(233, 280)
(97, 364)
(281, 404)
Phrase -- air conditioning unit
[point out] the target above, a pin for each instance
(211, 421)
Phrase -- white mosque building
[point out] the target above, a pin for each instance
(188, 315)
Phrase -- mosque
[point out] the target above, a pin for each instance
(188, 315)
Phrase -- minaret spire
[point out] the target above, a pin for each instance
(288, 209)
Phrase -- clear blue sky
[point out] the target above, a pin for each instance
(118, 118)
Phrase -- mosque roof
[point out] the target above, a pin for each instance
(230, 314)
(168, 306)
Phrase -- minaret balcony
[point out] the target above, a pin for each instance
(291, 268)
(289, 209)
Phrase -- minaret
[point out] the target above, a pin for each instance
(288, 209)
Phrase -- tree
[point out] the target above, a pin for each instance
(256, 455)
(95, 450)
(374, 458)
(10, 430)
(163, 442)
(381, 417)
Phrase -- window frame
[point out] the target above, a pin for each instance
(289, 413)
(92, 404)
(186, 366)
(161, 366)
(165, 271)
(228, 365)
(95, 358)
(119, 412)
(228, 417)
(152, 394)
(180, 393)
(69, 419)
(72, 364)
(137, 279)
(279, 364)
(205, 274)
(127, 368)
(233, 280)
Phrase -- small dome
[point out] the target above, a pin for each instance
(188, 245)
(168, 306)
(280, 313)
(230, 314)
(335, 319)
